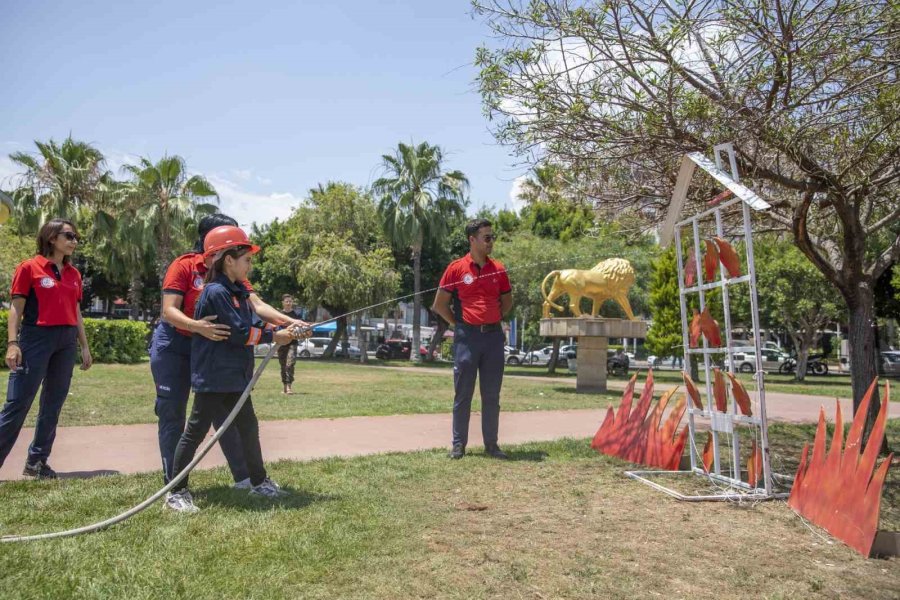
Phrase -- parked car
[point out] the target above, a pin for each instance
(314, 346)
(305, 348)
(772, 360)
(538, 357)
(511, 355)
(890, 363)
(261, 349)
(352, 352)
(392, 349)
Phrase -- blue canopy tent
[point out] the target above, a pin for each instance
(326, 329)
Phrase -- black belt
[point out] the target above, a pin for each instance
(487, 328)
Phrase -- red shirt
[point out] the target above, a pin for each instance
(51, 297)
(185, 277)
(477, 289)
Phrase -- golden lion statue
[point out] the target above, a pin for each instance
(609, 280)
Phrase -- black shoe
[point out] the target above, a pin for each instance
(39, 470)
(494, 451)
(458, 451)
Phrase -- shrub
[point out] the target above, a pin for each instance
(110, 341)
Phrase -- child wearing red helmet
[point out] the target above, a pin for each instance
(220, 371)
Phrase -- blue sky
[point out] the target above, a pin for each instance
(266, 99)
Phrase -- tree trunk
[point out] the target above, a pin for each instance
(417, 301)
(361, 341)
(338, 334)
(802, 360)
(134, 295)
(554, 356)
(861, 337)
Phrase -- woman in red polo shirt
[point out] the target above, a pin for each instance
(46, 291)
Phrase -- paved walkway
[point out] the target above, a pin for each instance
(85, 451)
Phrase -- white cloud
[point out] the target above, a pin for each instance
(249, 207)
(234, 200)
(514, 192)
(8, 172)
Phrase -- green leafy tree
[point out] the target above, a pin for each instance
(56, 181)
(13, 250)
(620, 90)
(664, 336)
(417, 198)
(342, 278)
(164, 203)
(795, 294)
(330, 252)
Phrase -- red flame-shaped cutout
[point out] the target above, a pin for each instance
(708, 452)
(690, 269)
(754, 465)
(729, 257)
(839, 492)
(710, 260)
(634, 436)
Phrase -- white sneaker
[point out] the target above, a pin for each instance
(268, 488)
(181, 502)
(243, 484)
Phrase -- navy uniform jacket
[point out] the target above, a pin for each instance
(226, 366)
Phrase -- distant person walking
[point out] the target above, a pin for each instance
(287, 354)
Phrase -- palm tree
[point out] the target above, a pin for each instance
(165, 203)
(546, 183)
(416, 199)
(59, 181)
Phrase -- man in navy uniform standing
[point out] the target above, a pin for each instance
(481, 297)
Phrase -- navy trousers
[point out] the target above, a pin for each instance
(48, 357)
(170, 363)
(214, 405)
(477, 354)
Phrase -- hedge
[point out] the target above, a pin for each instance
(115, 341)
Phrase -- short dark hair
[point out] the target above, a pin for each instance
(474, 225)
(286, 296)
(48, 233)
(207, 224)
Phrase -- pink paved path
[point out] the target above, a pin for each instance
(81, 451)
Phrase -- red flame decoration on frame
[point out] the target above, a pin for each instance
(634, 436)
(839, 492)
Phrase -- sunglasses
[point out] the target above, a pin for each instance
(72, 237)
(490, 238)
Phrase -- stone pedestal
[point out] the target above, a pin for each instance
(593, 341)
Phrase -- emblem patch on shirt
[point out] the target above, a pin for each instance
(468, 279)
(198, 283)
(47, 282)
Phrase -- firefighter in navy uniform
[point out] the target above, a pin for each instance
(46, 292)
(170, 351)
(479, 289)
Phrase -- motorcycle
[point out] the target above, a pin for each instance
(815, 365)
(618, 364)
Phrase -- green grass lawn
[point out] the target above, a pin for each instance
(835, 386)
(124, 394)
(558, 521)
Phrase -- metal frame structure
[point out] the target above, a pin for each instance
(724, 470)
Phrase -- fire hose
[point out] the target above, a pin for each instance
(201, 453)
